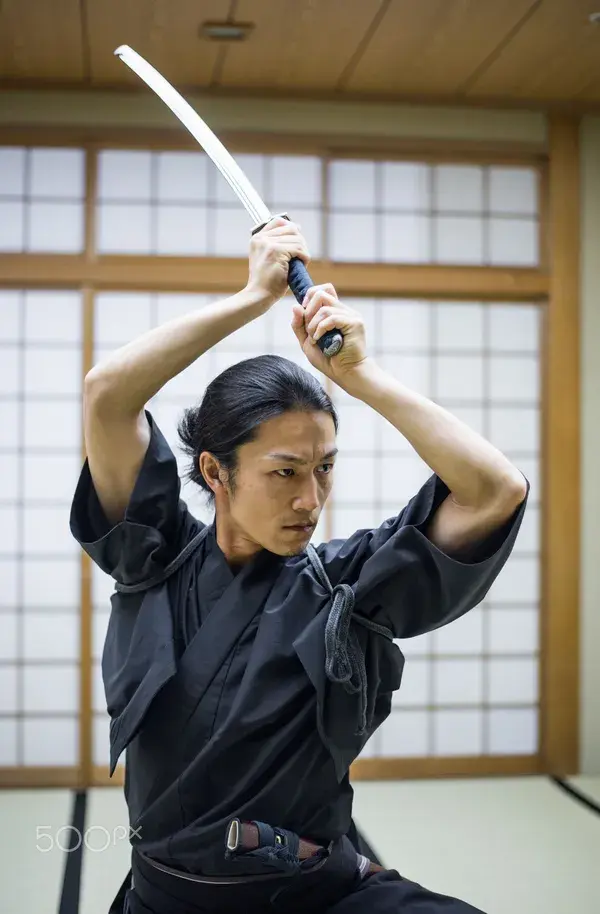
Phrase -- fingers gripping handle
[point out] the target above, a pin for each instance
(300, 282)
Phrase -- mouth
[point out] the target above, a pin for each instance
(302, 528)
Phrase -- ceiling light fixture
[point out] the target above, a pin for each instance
(225, 31)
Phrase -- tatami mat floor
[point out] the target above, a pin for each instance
(508, 846)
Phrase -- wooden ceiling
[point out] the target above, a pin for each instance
(545, 52)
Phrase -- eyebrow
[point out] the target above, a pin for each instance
(292, 458)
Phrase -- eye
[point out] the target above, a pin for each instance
(330, 468)
(284, 474)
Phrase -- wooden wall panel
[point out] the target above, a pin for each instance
(432, 46)
(41, 39)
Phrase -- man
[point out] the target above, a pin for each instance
(244, 671)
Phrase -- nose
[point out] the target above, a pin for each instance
(307, 500)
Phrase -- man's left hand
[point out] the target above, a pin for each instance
(322, 311)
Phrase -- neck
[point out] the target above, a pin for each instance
(237, 548)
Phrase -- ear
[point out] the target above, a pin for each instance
(209, 466)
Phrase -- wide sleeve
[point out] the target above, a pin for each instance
(156, 525)
(402, 580)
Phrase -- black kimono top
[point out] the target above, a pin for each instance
(216, 682)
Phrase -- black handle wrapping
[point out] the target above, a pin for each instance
(300, 282)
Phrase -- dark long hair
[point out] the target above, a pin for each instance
(235, 404)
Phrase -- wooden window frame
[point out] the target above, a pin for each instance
(554, 286)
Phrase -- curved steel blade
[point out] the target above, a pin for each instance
(213, 147)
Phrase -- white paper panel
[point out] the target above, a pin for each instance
(412, 370)
(124, 175)
(51, 741)
(352, 185)
(391, 439)
(514, 190)
(252, 334)
(12, 225)
(458, 188)
(513, 242)
(182, 177)
(8, 742)
(102, 740)
(12, 171)
(515, 429)
(514, 379)
(9, 477)
(181, 230)
(53, 317)
(9, 425)
(100, 627)
(52, 582)
(352, 237)
(8, 583)
(50, 688)
(458, 681)
(405, 734)
(8, 689)
(420, 646)
(11, 303)
(169, 307)
(528, 539)
(517, 583)
(458, 732)
(8, 635)
(52, 425)
(400, 478)
(232, 232)
(405, 186)
(98, 696)
(463, 636)
(295, 182)
(416, 685)
(514, 328)
(55, 228)
(121, 317)
(514, 631)
(405, 325)
(51, 478)
(458, 240)
(459, 326)
(124, 228)
(346, 521)
(460, 377)
(9, 530)
(52, 371)
(514, 680)
(406, 239)
(354, 480)
(51, 636)
(357, 427)
(57, 173)
(513, 732)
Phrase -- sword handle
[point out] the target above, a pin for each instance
(300, 282)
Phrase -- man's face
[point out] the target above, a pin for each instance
(283, 480)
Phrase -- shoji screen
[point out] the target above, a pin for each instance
(470, 688)
(40, 448)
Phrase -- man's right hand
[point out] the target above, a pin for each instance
(270, 253)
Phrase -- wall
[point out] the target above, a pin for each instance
(590, 379)
(144, 110)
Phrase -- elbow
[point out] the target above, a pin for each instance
(510, 492)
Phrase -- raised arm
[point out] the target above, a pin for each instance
(485, 487)
(117, 389)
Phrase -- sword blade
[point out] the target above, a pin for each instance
(213, 147)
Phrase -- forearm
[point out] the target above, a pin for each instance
(133, 374)
(472, 468)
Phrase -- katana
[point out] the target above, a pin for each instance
(299, 280)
